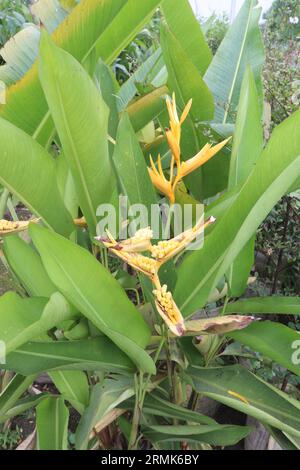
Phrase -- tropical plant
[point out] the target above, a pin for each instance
(139, 363)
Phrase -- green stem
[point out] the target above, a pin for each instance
(3, 202)
(137, 413)
(11, 209)
(140, 393)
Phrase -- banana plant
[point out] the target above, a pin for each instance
(118, 322)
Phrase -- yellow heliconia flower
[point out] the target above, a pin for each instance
(175, 122)
(205, 154)
(173, 134)
(130, 251)
(159, 180)
(7, 227)
(168, 310)
(167, 249)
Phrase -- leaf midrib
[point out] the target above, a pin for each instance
(238, 64)
(75, 153)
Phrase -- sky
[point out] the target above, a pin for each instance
(207, 7)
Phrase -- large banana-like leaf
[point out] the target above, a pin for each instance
(238, 388)
(277, 168)
(92, 354)
(24, 319)
(80, 34)
(73, 386)
(273, 340)
(242, 45)
(248, 134)
(146, 108)
(265, 305)
(81, 120)
(19, 256)
(109, 88)
(22, 405)
(186, 28)
(36, 281)
(77, 34)
(22, 49)
(247, 147)
(213, 434)
(19, 54)
(28, 171)
(104, 398)
(12, 392)
(124, 27)
(52, 416)
(131, 167)
(92, 289)
(49, 13)
(155, 405)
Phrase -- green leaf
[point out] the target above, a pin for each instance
(186, 28)
(77, 34)
(81, 120)
(19, 256)
(12, 392)
(92, 289)
(19, 53)
(109, 88)
(241, 46)
(104, 398)
(91, 354)
(28, 171)
(238, 273)
(37, 282)
(272, 340)
(146, 108)
(154, 405)
(73, 386)
(49, 13)
(216, 435)
(277, 168)
(265, 305)
(184, 79)
(124, 27)
(238, 388)
(248, 134)
(66, 186)
(19, 319)
(22, 405)
(52, 417)
(247, 147)
(285, 441)
(131, 167)
(24, 319)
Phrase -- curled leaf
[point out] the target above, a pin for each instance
(217, 325)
